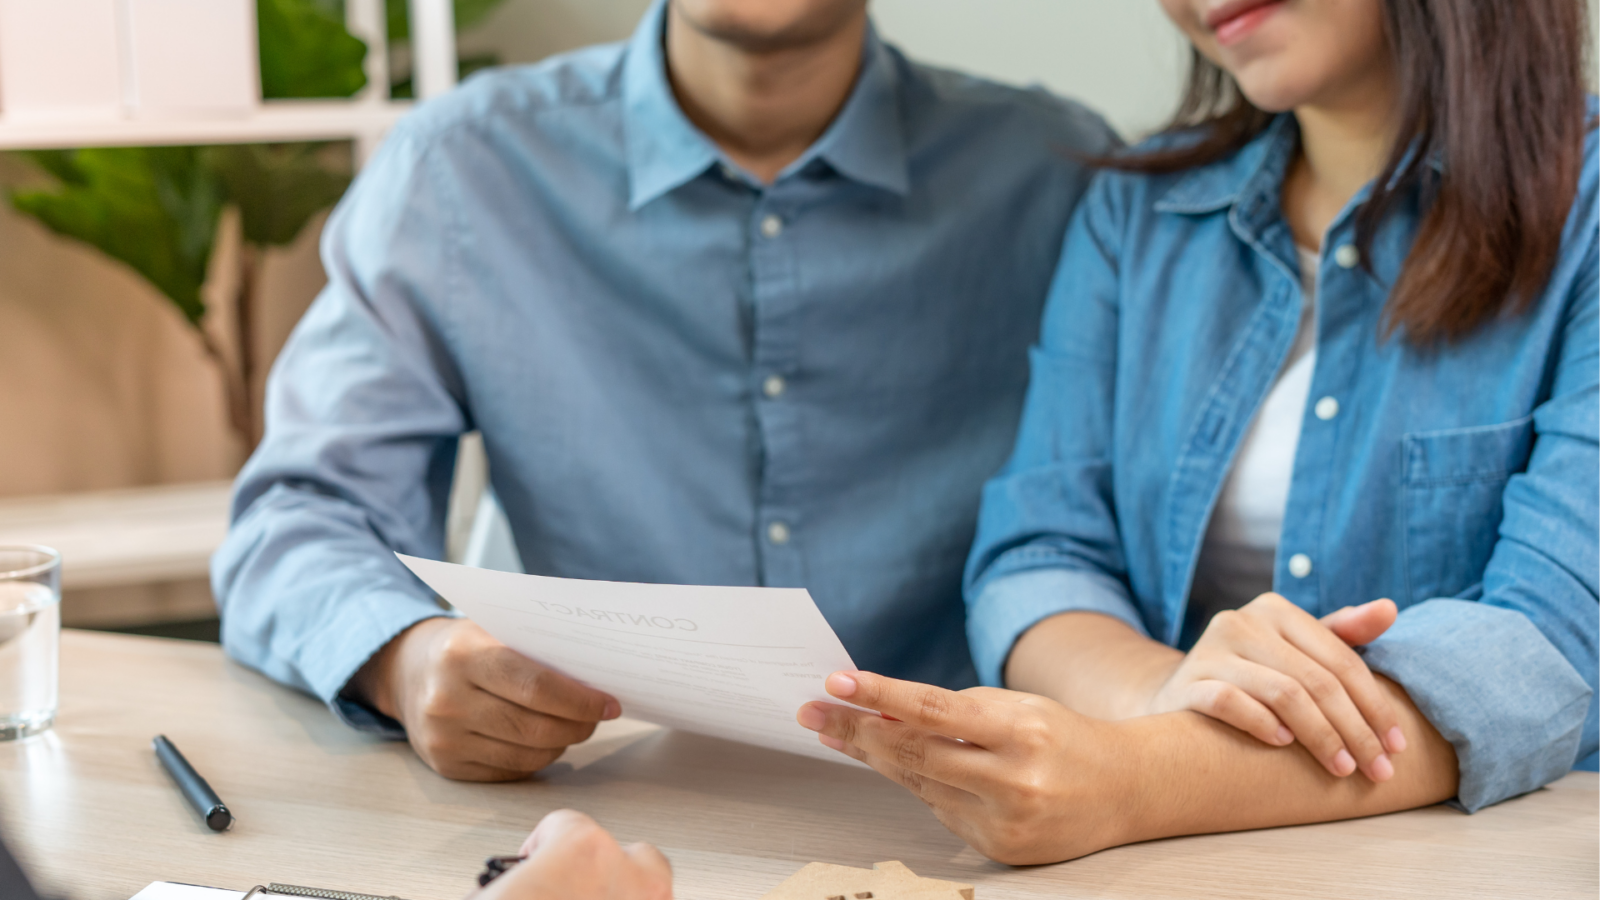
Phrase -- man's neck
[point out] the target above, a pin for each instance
(763, 108)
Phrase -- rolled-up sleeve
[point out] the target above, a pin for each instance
(1508, 674)
(1047, 540)
(1009, 605)
(362, 421)
(1509, 703)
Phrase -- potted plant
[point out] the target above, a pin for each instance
(157, 209)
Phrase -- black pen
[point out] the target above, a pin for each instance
(195, 790)
(495, 866)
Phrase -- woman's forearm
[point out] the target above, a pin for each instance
(1025, 780)
(1197, 775)
(1092, 664)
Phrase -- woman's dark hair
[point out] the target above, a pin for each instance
(1493, 88)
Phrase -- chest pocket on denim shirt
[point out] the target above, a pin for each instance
(1454, 482)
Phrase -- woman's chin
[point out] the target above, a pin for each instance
(1283, 81)
(1273, 92)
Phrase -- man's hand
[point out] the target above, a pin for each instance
(475, 709)
(570, 857)
(1021, 778)
(1274, 672)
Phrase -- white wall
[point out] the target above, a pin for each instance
(1119, 56)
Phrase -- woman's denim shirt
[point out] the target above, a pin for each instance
(1461, 480)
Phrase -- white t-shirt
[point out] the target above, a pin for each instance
(1239, 554)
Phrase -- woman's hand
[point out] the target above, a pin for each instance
(1273, 671)
(570, 857)
(1021, 778)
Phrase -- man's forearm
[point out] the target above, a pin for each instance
(1090, 663)
(1196, 775)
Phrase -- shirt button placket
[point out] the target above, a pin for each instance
(1340, 319)
(775, 303)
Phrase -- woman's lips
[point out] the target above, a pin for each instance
(1233, 22)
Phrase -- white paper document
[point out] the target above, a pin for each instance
(729, 662)
(172, 890)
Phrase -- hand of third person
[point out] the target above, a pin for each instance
(475, 709)
(1273, 671)
(570, 857)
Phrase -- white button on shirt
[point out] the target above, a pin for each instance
(1299, 565)
(1347, 256)
(1326, 408)
(774, 386)
(771, 227)
(778, 533)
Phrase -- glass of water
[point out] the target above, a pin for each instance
(30, 639)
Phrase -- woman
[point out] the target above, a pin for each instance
(1332, 335)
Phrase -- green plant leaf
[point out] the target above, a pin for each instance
(277, 187)
(306, 51)
(468, 14)
(60, 163)
(155, 209)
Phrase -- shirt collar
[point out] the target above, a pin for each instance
(664, 150)
(866, 141)
(1260, 165)
(1254, 173)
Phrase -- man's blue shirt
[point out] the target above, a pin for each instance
(680, 375)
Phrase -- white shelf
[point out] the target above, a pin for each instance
(133, 536)
(275, 121)
(364, 119)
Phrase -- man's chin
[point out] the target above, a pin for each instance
(758, 40)
(758, 34)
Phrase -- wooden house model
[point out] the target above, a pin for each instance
(884, 881)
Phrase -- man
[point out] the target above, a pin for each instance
(746, 300)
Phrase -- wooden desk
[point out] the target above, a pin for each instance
(93, 816)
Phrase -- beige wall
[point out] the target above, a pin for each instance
(102, 383)
(101, 387)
